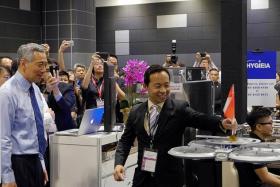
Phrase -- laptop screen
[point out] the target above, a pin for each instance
(96, 116)
(92, 120)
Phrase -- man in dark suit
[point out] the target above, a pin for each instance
(156, 168)
(61, 101)
(214, 77)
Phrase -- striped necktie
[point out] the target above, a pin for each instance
(154, 114)
(39, 122)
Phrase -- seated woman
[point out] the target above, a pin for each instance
(255, 175)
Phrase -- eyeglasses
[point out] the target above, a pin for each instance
(265, 123)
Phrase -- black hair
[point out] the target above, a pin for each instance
(52, 61)
(62, 73)
(14, 67)
(154, 69)
(257, 113)
(112, 55)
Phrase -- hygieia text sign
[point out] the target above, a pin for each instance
(261, 70)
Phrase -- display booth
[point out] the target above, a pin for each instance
(87, 161)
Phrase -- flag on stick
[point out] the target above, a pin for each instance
(229, 108)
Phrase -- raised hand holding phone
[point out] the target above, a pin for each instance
(66, 44)
(52, 82)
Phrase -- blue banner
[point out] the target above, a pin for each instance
(261, 65)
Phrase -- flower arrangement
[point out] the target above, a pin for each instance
(134, 71)
(134, 78)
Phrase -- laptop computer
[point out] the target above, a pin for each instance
(91, 122)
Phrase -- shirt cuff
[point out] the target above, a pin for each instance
(8, 177)
(58, 96)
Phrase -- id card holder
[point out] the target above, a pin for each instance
(100, 103)
(149, 160)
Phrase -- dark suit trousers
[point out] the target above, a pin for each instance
(148, 181)
(28, 170)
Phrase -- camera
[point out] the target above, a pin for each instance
(174, 58)
(203, 54)
(173, 46)
(53, 69)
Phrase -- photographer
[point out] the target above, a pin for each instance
(167, 63)
(205, 55)
(171, 60)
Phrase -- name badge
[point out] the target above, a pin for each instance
(100, 103)
(149, 160)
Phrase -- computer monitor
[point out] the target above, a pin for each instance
(200, 95)
(110, 98)
(195, 73)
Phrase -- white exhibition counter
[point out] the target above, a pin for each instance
(78, 161)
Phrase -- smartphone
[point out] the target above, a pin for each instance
(104, 55)
(203, 54)
(71, 43)
(53, 69)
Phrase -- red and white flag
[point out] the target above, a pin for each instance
(229, 108)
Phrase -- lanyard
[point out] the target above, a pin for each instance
(99, 90)
(151, 133)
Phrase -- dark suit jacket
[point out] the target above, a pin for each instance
(90, 95)
(62, 108)
(218, 98)
(174, 117)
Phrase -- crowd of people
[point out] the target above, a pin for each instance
(212, 73)
(58, 98)
(38, 97)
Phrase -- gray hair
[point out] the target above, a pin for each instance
(26, 51)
